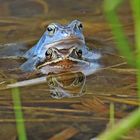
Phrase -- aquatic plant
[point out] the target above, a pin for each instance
(110, 9)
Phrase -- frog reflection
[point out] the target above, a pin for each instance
(66, 84)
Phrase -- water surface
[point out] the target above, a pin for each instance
(85, 116)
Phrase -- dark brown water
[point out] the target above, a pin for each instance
(84, 117)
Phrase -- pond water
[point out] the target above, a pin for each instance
(86, 113)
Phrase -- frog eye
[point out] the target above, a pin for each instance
(79, 26)
(51, 29)
(79, 53)
(48, 53)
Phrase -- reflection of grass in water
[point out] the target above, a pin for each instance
(111, 112)
(18, 114)
(132, 120)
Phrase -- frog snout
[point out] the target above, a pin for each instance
(64, 53)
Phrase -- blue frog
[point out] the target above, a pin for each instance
(61, 48)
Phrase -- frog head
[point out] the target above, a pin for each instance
(54, 35)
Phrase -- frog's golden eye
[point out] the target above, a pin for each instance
(49, 53)
(51, 29)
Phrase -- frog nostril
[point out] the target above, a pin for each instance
(64, 33)
(67, 32)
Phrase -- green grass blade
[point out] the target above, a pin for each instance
(19, 115)
(117, 30)
(124, 47)
(136, 14)
(110, 5)
(122, 127)
(112, 114)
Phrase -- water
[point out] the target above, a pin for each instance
(85, 115)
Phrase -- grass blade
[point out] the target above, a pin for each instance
(18, 114)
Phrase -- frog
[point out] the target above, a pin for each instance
(61, 48)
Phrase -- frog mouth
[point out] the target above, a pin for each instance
(63, 63)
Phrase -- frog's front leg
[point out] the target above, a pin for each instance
(30, 64)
